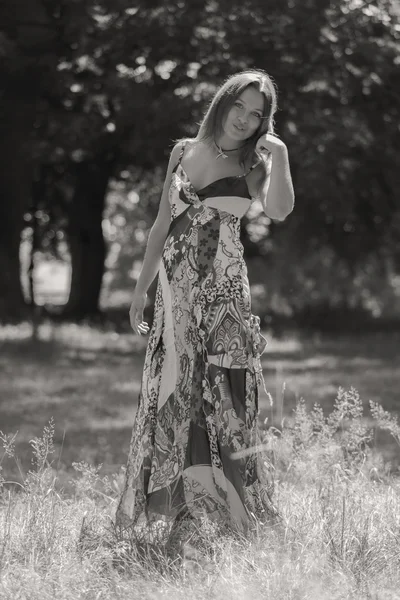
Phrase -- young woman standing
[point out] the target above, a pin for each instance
(194, 442)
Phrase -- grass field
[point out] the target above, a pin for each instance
(88, 380)
(341, 537)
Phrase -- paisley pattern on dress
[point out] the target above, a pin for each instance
(195, 441)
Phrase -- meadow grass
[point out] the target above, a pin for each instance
(338, 496)
(88, 380)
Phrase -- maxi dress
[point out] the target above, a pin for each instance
(195, 446)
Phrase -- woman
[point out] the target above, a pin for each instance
(193, 450)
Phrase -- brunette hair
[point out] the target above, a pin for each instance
(224, 99)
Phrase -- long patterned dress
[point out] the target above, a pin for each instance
(194, 441)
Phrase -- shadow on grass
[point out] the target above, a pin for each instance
(88, 380)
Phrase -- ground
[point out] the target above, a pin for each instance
(338, 503)
(88, 380)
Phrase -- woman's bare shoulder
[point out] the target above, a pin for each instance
(183, 142)
(179, 146)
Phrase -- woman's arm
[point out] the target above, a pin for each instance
(274, 185)
(158, 232)
(155, 244)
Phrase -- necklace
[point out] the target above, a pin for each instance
(224, 153)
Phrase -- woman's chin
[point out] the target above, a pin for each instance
(240, 135)
(237, 133)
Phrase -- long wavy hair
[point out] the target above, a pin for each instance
(211, 127)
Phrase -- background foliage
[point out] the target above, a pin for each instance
(95, 91)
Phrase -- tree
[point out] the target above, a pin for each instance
(336, 65)
(26, 39)
(115, 107)
(101, 88)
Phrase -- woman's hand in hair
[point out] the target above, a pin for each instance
(269, 142)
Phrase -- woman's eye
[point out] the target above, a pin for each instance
(238, 104)
(257, 115)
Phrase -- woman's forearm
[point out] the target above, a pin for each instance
(152, 257)
(277, 194)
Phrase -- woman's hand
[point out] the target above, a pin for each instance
(270, 143)
(136, 313)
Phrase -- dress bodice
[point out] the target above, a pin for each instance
(228, 194)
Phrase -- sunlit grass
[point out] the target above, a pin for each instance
(338, 536)
(88, 379)
(339, 499)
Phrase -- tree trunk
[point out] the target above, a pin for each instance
(15, 180)
(26, 60)
(86, 242)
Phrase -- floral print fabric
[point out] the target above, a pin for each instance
(195, 447)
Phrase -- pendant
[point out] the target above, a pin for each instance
(221, 154)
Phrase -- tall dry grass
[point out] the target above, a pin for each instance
(339, 537)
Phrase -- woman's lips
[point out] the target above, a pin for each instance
(238, 128)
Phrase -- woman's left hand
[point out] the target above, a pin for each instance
(269, 143)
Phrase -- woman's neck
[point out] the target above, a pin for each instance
(227, 143)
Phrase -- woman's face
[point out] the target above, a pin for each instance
(245, 116)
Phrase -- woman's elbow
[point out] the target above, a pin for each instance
(279, 214)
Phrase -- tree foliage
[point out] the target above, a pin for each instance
(97, 90)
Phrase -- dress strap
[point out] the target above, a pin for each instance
(252, 167)
(181, 153)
